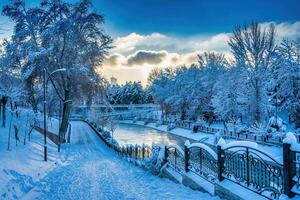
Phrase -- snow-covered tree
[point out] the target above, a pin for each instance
(287, 79)
(253, 49)
(54, 35)
(129, 93)
(228, 100)
(11, 87)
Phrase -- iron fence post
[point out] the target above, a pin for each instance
(186, 158)
(143, 152)
(175, 156)
(220, 163)
(247, 167)
(166, 154)
(288, 169)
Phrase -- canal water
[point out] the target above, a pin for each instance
(138, 134)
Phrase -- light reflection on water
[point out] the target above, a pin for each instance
(137, 134)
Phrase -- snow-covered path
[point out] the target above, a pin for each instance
(94, 172)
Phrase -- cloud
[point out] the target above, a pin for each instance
(133, 42)
(146, 57)
(284, 29)
(140, 53)
(114, 60)
(158, 42)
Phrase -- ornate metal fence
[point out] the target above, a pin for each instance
(294, 168)
(175, 157)
(202, 160)
(254, 169)
(135, 152)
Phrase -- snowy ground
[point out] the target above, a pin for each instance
(23, 165)
(85, 170)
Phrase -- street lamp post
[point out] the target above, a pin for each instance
(45, 102)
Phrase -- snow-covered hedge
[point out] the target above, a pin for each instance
(171, 127)
(158, 123)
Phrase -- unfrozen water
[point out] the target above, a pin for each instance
(138, 134)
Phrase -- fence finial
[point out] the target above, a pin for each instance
(187, 143)
(290, 138)
(221, 142)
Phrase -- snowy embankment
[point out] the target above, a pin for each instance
(275, 151)
(22, 165)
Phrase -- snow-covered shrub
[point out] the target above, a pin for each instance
(158, 123)
(290, 138)
(135, 119)
(276, 124)
(106, 135)
(157, 159)
(195, 128)
(257, 128)
(171, 127)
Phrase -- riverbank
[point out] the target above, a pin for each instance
(207, 138)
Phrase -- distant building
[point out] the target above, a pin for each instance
(113, 80)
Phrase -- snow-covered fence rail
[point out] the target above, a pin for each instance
(241, 135)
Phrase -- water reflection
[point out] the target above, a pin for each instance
(136, 134)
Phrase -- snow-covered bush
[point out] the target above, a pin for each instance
(158, 123)
(257, 128)
(171, 127)
(147, 121)
(276, 124)
(195, 128)
(290, 138)
(157, 159)
(106, 135)
(135, 119)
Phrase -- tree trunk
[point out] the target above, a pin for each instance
(257, 111)
(4, 101)
(31, 95)
(65, 115)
